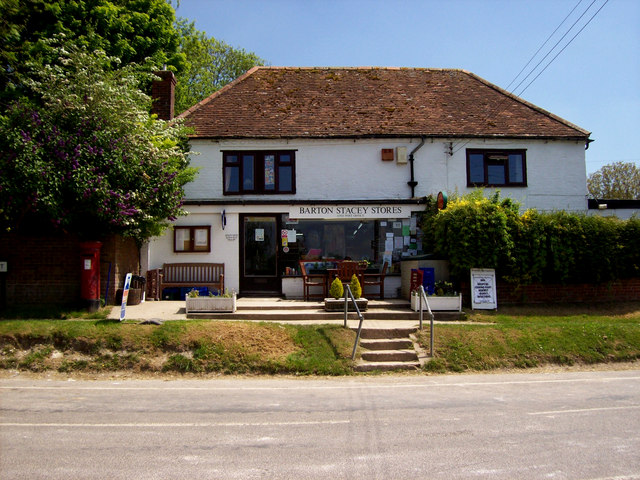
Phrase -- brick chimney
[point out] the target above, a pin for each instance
(162, 94)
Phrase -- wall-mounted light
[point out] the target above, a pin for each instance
(223, 219)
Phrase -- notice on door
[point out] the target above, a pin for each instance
(259, 234)
(483, 289)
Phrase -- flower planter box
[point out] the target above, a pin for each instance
(211, 304)
(438, 303)
(333, 305)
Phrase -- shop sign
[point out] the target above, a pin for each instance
(483, 289)
(350, 211)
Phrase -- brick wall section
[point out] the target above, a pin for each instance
(47, 269)
(124, 257)
(619, 291)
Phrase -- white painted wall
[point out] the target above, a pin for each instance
(621, 213)
(224, 243)
(353, 170)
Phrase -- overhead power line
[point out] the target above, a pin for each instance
(557, 43)
(496, 109)
(543, 44)
(563, 48)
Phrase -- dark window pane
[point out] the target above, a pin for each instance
(247, 172)
(476, 168)
(285, 158)
(496, 175)
(285, 180)
(232, 159)
(232, 179)
(516, 168)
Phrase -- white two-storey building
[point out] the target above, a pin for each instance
(316, 163)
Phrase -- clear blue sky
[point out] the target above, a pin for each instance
(594, 83)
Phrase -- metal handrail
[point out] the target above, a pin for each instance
(348, 294)
(423, 295)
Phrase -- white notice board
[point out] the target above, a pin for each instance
(483, 289)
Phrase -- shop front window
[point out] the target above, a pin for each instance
(376, 241)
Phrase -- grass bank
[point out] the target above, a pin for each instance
(510, 338)
(535, 337)
(177, 346)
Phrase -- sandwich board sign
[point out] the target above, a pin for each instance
(125, 295)
(483, 289)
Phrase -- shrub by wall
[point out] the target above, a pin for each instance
(473, 232)
(551, 248)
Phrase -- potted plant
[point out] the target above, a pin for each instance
(225, 302)
(444, 298)
(336, 301)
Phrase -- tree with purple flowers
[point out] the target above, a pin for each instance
(82, 154)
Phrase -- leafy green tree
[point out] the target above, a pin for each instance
(135, 31)
(81, 152)
(619, 180)
(211, 64)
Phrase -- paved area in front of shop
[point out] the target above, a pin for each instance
(380, 314)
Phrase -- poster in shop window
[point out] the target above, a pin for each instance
(201, 237)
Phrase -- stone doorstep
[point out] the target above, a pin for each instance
(258, 303)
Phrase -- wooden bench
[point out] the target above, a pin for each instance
(209, 275)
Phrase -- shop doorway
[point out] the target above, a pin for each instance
(259, 255)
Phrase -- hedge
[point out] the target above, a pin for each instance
(532, 247)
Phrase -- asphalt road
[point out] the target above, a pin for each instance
(524, 426)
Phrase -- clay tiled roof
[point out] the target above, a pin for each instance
(277, 102)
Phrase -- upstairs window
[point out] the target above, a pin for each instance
(260, 173)
(496, 168)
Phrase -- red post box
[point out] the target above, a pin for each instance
(90, 280)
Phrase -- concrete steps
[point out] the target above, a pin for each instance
(386, 349)
(378, 344)
(382, 356)
(296, 310)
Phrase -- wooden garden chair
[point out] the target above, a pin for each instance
(310, 281)
(374, 279)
